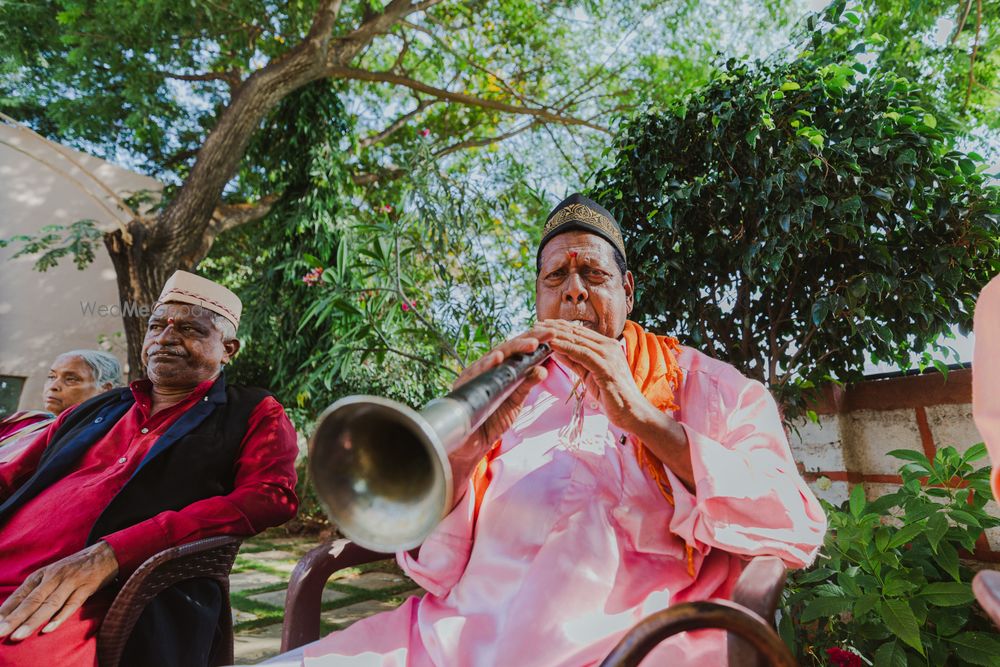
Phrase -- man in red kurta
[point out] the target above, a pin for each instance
(179, 451)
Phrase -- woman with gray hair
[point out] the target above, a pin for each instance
(74, 377)
(78, 375)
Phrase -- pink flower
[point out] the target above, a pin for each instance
(386, 208)
(841, 658)
(313, 276)
(405, 306)
(425, 132)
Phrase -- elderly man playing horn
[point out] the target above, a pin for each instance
(172, 458)
(629, 473)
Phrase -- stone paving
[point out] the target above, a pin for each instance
(259, 584)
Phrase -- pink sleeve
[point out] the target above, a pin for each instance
(263, 495)
(749, 497)
(442, 557)
(986, 374)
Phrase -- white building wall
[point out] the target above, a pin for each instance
(41, 313)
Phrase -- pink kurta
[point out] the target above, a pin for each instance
(986, 374)
(574, 543)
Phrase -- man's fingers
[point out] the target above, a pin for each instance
(534, 376)
(580, 354)
(562, 328)
(479, 366)
(44, 609)
(74, 602)
(19, 605)
(20, 593)
(523, 344)
(507, 412)
(516, 398)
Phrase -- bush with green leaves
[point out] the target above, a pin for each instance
(792, 218)
(890, 584)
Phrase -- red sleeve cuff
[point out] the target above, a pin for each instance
(135, 544)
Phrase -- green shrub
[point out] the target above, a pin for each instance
(889, 584)
(795, 219)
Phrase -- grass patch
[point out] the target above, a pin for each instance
(244, 564)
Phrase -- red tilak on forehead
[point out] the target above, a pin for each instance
(170, 320)
(572, 254)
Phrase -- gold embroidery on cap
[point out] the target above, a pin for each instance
(581, 213)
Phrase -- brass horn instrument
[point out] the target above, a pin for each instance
(386, 474)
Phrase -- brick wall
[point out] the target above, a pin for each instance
(859, 425)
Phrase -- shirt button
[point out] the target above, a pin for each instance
(592, 405)
(144, 430)
(205, 399)
(122, 460)
(99, 420)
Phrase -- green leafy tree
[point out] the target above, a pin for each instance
(791, 218)
(953, 46)
(419, 296)
(390, 298)
(889, 583)
(182, 90)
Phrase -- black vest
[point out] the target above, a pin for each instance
(193, 460)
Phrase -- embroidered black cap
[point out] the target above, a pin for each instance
(579, 212)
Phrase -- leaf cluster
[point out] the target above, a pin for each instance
(890, 583)
(790, 218)
(53, 242)
(952, 46)
(423, 284)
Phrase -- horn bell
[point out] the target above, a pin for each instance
(381, 472)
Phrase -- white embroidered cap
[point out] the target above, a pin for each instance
(190, 288)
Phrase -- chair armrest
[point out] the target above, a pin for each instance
(986, 586)
(759, 590)
(210, 558)
(686, 616)
(305, 588)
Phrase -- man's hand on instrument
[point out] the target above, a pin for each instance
(502, 419)
(601, 365)
(53, 593)
(603, 368)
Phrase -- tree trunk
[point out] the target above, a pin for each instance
(141, 271)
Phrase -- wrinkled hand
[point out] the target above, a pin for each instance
(52, 594)
(602, 367)
(503, 418)
(603, 370)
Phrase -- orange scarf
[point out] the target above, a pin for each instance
(651, 359)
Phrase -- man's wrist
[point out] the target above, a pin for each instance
(666, 439)
(107, 561)
(653, 425)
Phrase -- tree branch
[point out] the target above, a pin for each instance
(445, 45)
(461, 98)
(184, 231)
(961, 23)
(975, 51)
(486, 141)
(363, 178)
(352, 43)
(571, 163)
(229, 216)
(396, 125)
(230, 77)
